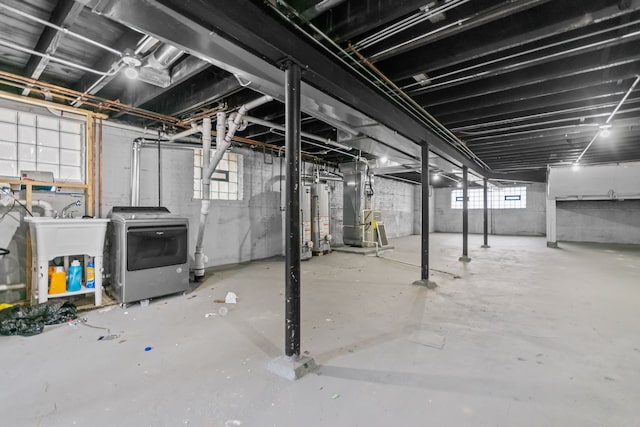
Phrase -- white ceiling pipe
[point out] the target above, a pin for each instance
(613, 113)
(198, 256)
(194, 129)
(233, 126)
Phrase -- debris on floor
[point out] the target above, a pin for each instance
(221, 301)
(148, 348)
(28, 321)
(144, 303)
(335, 396)
(231, 298)
(209, 315)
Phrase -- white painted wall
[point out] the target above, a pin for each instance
(597, 203)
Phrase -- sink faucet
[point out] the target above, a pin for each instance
(66, 208)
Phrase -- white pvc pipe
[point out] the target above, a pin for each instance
(199, 257)
(222, 143)
(135, 173)
(194, 129)
(48, 209)
(13, 287)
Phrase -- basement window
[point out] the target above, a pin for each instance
(498, 198)
(33, 142)
(226, 181)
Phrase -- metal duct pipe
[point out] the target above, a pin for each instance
(164, 56)
(199, 257)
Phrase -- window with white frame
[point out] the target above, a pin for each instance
(226, 181)
(497, 198)
(33, 142)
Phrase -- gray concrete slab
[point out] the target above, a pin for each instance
(527, 336)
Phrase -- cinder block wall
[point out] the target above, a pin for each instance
(237, 231)
(530, 221)
(395, 201)
(600, 221)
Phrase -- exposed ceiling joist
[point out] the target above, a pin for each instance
(64, 14)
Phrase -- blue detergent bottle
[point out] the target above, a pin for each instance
(74, 277)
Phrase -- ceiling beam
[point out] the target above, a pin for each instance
(482, 18)
(242, 38)
(573, 74)
(576, 20)
(63, 15)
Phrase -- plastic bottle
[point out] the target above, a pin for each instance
(91, 278)
(74, 277)
(57, 283)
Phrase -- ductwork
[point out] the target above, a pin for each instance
(155, 66)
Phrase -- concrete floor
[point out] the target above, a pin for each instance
(528, 336)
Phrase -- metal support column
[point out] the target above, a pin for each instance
(465, 216)
(424, 257)
(486, 213)
(292, 274)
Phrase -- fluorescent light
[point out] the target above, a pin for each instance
(459, 185)
(383, 159)
(575, 166)
(436, 177)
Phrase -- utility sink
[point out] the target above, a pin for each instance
(53, 237)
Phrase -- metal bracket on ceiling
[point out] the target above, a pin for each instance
(283, 64)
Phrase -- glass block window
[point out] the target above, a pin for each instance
(226, 181)
(32, 142)
(498, 198)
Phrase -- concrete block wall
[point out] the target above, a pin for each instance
(603, 221)
(530, 221)
(417, 210)
(395, 201)
(237, 230)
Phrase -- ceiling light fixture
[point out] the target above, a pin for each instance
(383, 159)
(131, 72)
(131, 64)
(459, 185)
(605, 131)
(436, 177)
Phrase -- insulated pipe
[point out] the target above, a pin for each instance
(135, 173)
(199, 257)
